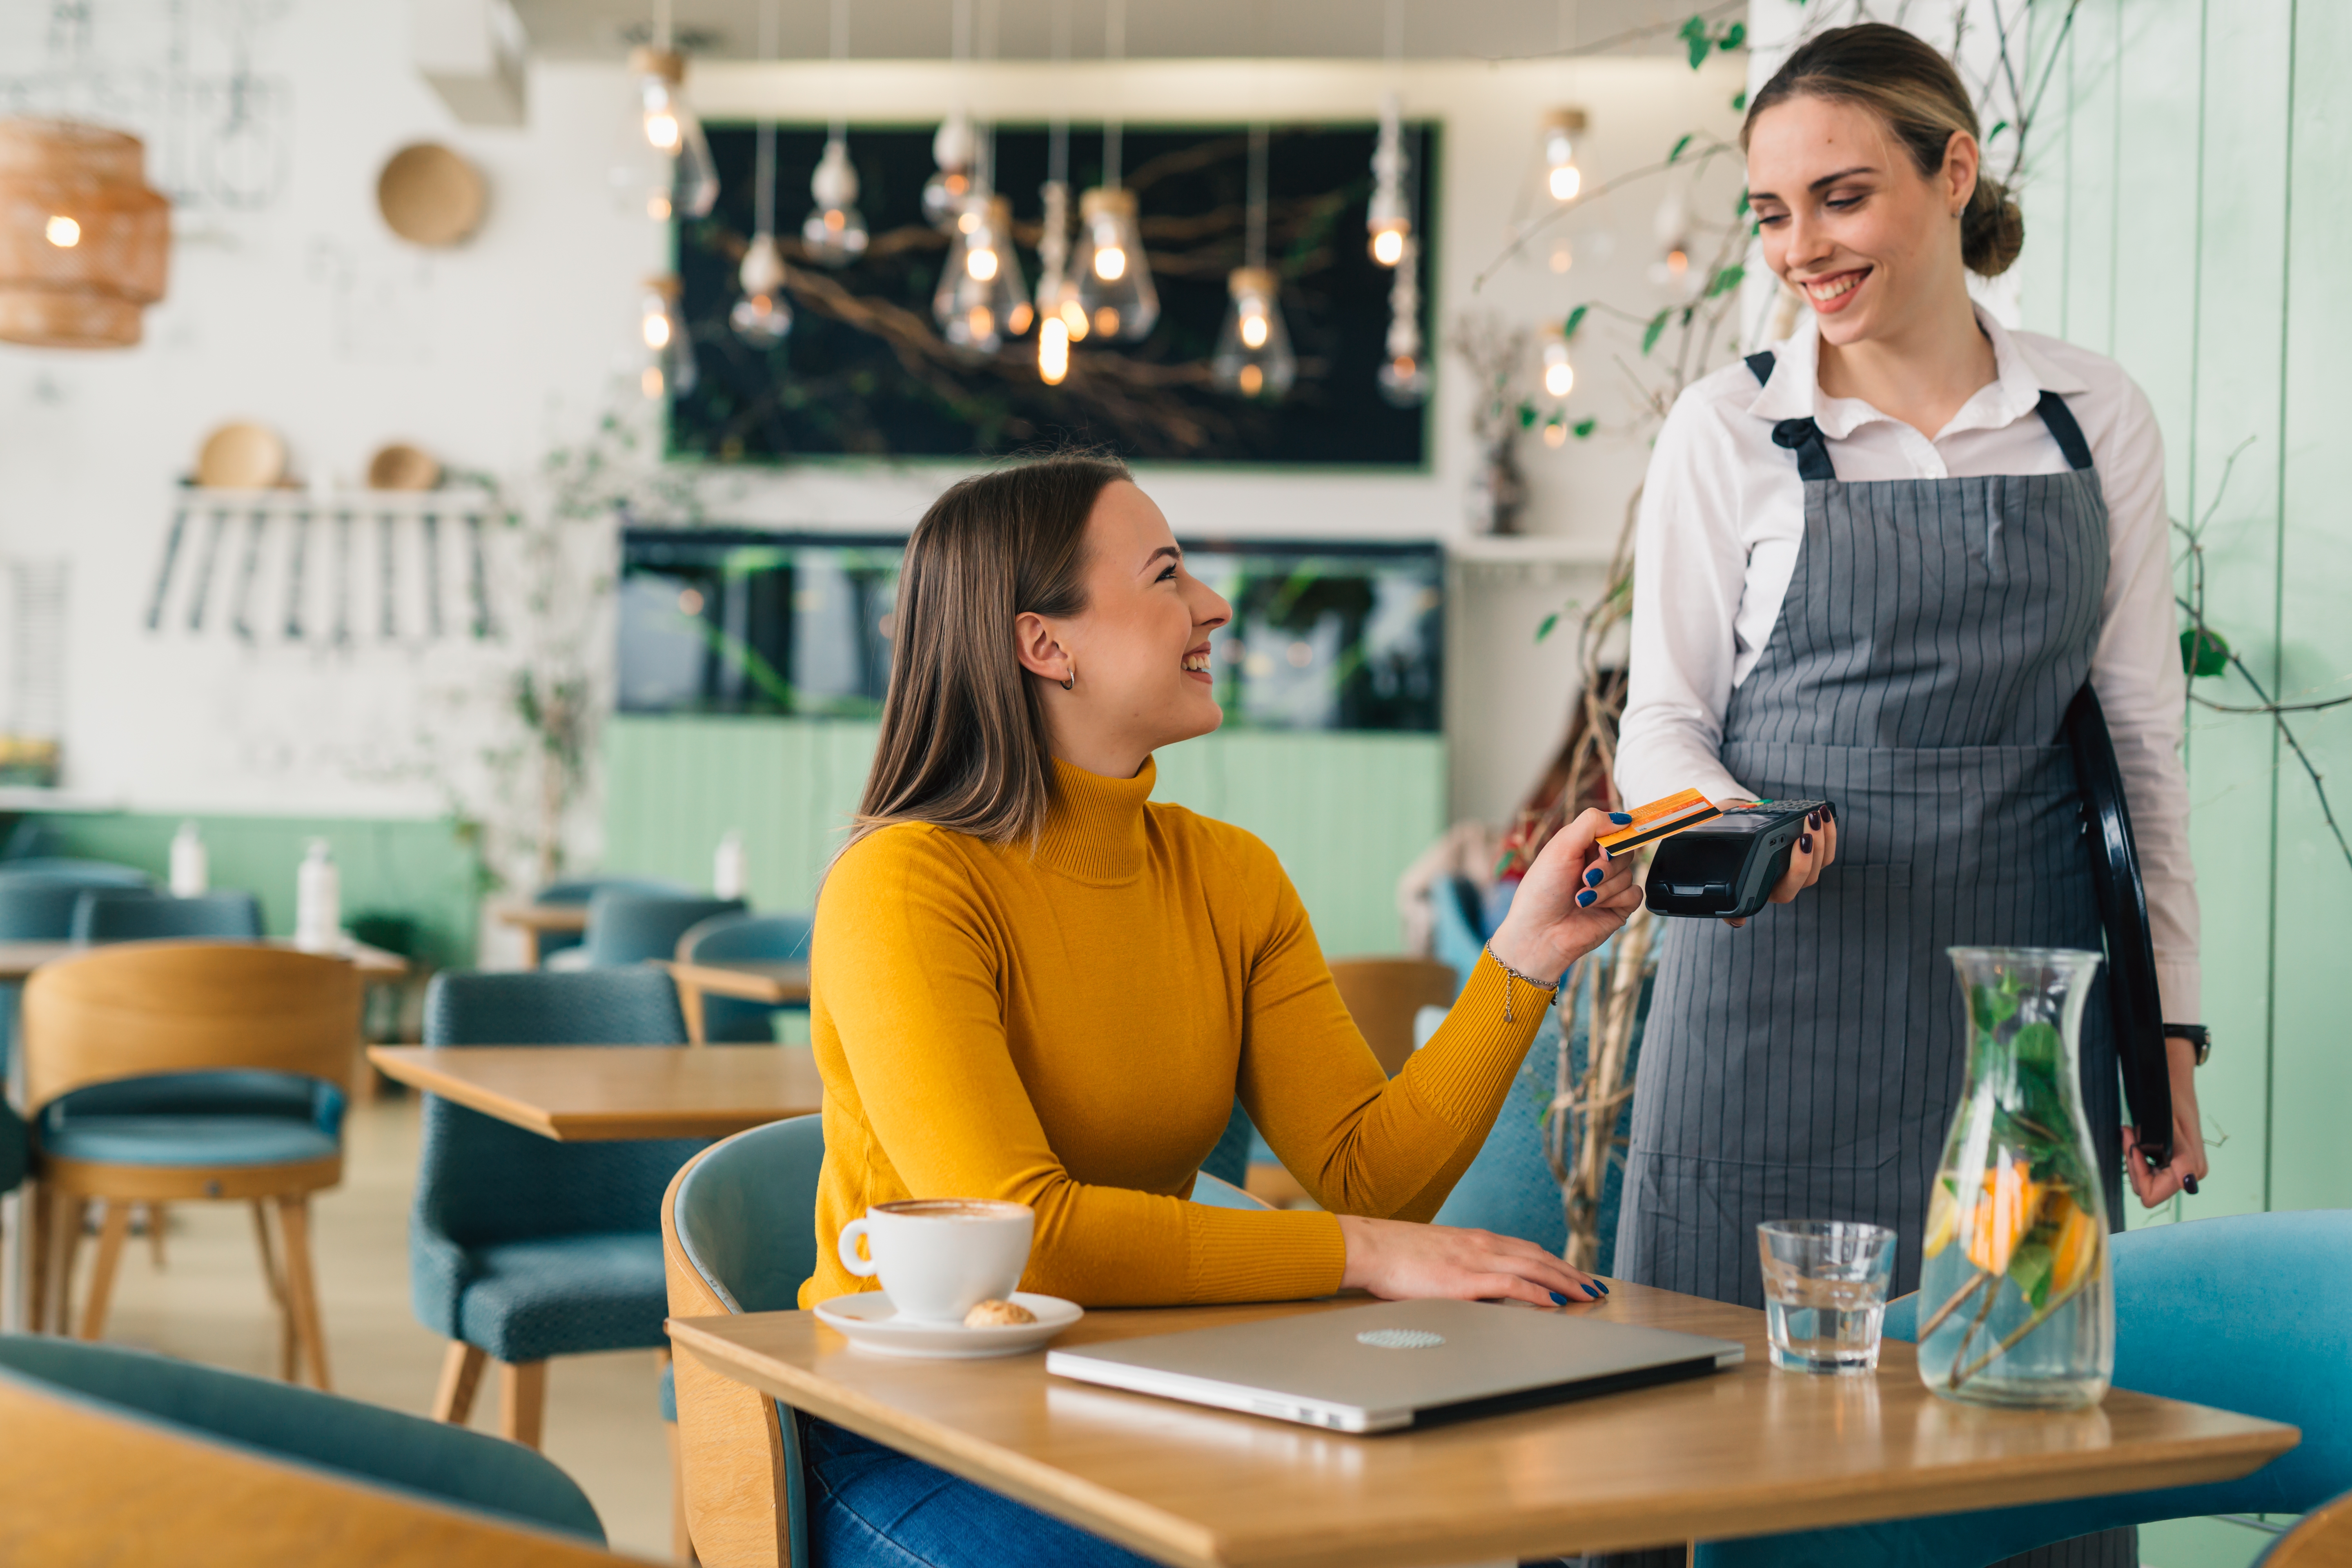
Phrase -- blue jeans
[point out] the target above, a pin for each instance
(872, 1507)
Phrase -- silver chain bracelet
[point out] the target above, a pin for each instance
(1511, 974)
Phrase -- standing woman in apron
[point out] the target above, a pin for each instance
(1875, 563)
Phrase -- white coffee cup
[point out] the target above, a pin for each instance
(939, 1257)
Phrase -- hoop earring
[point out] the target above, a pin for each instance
(1072, 679)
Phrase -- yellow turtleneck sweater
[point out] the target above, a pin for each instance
(1068, 1027)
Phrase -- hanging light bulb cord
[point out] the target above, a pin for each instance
(984, 182)
(663, 29)
(1255, 247)
(961, 43)
(839, 131)
(1057, 132)
(763, 186)
(1114, 130)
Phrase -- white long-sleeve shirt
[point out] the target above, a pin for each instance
(1723, 516)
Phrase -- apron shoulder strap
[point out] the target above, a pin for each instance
(2064, 430)
(1801, 436)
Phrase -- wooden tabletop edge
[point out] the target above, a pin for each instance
(1138, 1525)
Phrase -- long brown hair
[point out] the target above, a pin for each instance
(965, 743)
(1920, 99)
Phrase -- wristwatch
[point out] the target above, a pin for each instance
(2197, 1035)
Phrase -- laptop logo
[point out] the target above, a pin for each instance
(1399, 1339)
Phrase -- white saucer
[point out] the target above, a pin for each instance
(873, 1325)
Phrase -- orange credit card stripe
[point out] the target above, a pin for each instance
(1660, 819)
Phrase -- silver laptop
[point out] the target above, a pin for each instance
(1378, 1368)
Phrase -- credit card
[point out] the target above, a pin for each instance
(1660, 819)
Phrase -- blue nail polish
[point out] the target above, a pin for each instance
(1604, 1285)
(1558, 1299)
(1622, 818)
(1592, 878)
(1584, 899)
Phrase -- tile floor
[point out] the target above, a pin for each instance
(207, 1304)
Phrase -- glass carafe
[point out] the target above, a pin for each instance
(2016, 1306)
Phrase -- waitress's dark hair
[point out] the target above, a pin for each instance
(1919, 98)
(964, 743)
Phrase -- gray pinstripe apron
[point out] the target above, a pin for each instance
(1807, 1064)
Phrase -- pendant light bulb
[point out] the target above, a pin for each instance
(1062, 315)
(1390, 225)
(1115, 289)
(952, 147)
(761, 318)
(835, 232)
(672, 129)
(1558, 376)
(982, 299)
(670, 353)
(1053, 349)
(1252, 357)
(1562, 179)
(1405, 374)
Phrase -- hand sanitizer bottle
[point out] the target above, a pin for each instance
(191, 867)
(318, 900)
(729, 871)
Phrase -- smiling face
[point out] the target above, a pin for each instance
(1850, 223)
(1139, 652)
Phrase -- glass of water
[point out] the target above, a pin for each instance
(1824, 1292)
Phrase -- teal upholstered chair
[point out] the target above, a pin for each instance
(315, 1431)
(2251, 1313)
(579, 891)
(72, 869)
(630, 928)
(521, 1248)
(1509, 1188)
(745, 939)
(37, 898)
(135, 914)
(14, 1147)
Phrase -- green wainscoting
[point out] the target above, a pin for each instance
(1347, 813)
(2188, 213)
(419, 871)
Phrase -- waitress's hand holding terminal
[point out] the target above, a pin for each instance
(1729, 865)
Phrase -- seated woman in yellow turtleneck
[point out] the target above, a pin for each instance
(1031, 983)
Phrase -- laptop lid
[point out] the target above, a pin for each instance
(1397, 1363)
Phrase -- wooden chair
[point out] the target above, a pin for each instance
(2324, 1540)
(737, 1236)
(1383, 994)
(149, 1009)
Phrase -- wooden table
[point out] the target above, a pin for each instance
(534, 919)
(81, 1485)
(19, 959)
(776, 984)
(1741, 1452)
(577, 1094)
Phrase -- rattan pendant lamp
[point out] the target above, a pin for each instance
(84, 243)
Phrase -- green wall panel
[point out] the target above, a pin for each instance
(1346, 813)
(2311, 1043)
(2188, 215)
(417, 870)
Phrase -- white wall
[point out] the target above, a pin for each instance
(311, 317)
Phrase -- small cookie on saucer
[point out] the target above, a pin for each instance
(998, 1315)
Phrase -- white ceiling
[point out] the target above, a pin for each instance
(1156, 29)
